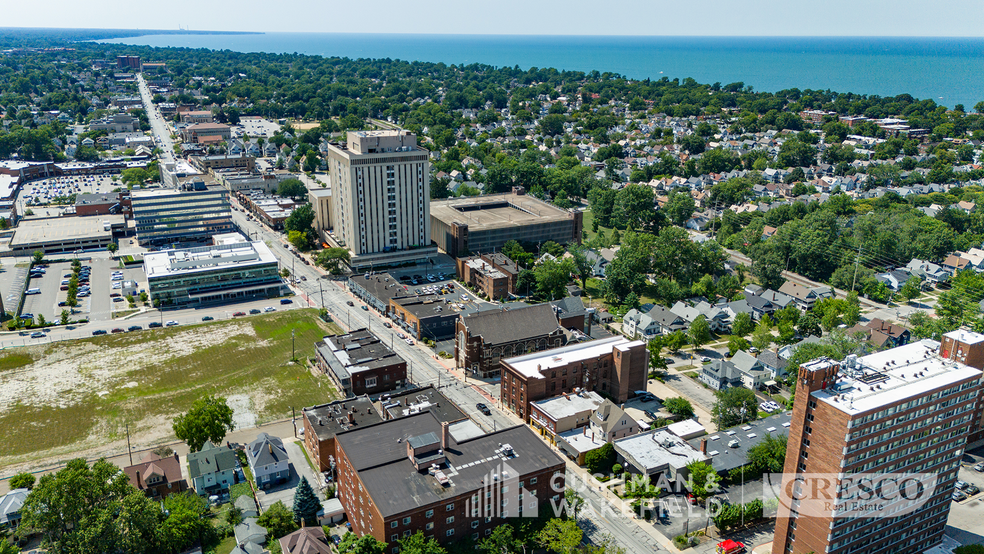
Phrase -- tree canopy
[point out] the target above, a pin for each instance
(208, 420)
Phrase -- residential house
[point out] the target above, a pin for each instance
(247, 505)
(894, 279)
(955, 263)
(753, 373)
(773, 363)
(805, 296)
(759, 306)
(928, 271)
(249, 536)
(638, 324)
(720, 375)
(158, 476)
(268, 461)
(610, 422)
(898, 335)
(778, 299)
(717, 316)
(668, 321)
(212, 469)
(306, 540)
(10, 508)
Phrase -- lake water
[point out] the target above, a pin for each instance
(946, 70)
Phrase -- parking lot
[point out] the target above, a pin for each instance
(46, 191)
(964, 523)
(46, 302)
(257, 127)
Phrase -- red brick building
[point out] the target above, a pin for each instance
(614, 367)
(494, 274)
(359, 363)
(483, 339)
(322, 422)
(104, 204)
(411, 474)
(905, 410)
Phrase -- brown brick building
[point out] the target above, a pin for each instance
(104, 204)
(904, 410)
(967, 348)
(411, 474)
(359, 363)
(614, 367)
(494, 274)
(321, 423)
(483, 339)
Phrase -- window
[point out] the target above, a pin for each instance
(449, 507)
(396, 550)
(406, 534)
(429, 526)
(532, 481)
(488, 532)
(406, 521)
(449, 532)
(393, 524)
(474, 536)
(474, 524)
(449, 520)
(429, 513)
(394, 537)
(370, 382)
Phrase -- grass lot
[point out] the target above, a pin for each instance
(67, 397)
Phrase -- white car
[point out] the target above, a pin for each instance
(171, 323)
(269, 309)
(410, 341)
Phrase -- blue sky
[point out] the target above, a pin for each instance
(963, 18)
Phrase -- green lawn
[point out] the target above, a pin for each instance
(124, 378)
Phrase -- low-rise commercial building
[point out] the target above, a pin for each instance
(484, 339)
(212, 131)
(271, 210)
(494, 274)
(212, 274)
(656, 453)
(559, 414)
(425, 317)
(416, 400)
(486, 223)
(321, 423)
(411, 474)
(116, 123)
(170, 217)
(208, 163)
(65, 234)
(615, 367)
(359, 363)
(103, 204)
(196, 116)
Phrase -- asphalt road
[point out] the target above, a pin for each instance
(157, 123)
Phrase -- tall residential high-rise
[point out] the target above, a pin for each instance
(380, 182)
(907, 410)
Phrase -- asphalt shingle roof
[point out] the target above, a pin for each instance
(502, 326)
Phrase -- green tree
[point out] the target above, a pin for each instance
(702, 479)
(573, 502)
(656, 360)
(600, 460)
(22, 481)
(581, 264)
(809, 325)
(291, 188)
(699, 332)
(733, 406)
(417, 543)
(769, 455)
(367, 544)
(278, 520)
(38, 256)
(762, 337)
(300, 219)
(208, 420)
(736, 343)
(306, 503)
(560, 536)
(743, 324)
(112, 247)
(679, 207)
(679, 407)
(675, 341)
(299, 240)
(186, 522)
(911, 289)
(552, 277)
(502, 541)
(332, 258)
(234, 516)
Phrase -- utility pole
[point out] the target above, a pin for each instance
(293, 420)
(292, 355)
(856, 261)
(129, 450)
(322, 291)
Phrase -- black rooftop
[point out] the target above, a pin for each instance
(329, 419)
(394, 405)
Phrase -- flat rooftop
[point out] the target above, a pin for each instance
(964, 336)
(357, 351)
(568, 405)
(890, 376)
(97, 198)
(332, 418)
(206, 258)
(414, 401)
(379, 453)
(656, 449)
(42, 231)
(749, 434)
(531, 365)
(497, 211)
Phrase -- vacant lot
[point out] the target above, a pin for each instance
(74, 398)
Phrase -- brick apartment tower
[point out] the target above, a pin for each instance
(967, 347)
(904, 410)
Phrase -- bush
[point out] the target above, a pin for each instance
(681, 542)
(600, 460)
(617, 469)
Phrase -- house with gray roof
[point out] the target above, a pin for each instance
(668, 321)
(249, 531)
(720, 375)
(213, 468)
(928, 271)
(805, 296)
(247, 504)
(610, 422)
(759, 306)
(268, 460)
(639, 324)
(894, 279)
(753, 373)
(10, 507)
(773, 363)
(657, 452)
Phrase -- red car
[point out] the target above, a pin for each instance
(117, 330)
(237, 314)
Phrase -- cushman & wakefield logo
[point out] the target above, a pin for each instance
(858, 495)
(502, 496)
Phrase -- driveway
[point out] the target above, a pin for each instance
(691, 390)
(285, 491)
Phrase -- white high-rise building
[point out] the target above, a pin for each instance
(381, 197)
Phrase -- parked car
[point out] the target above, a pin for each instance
(155, 325)
(134, 328)
(99, 332)
(979, 467)
(237, 314)
(286, 301)
(171, 323)
(961, 485)
(208, 318)
(269, 309)
(971, 490)
(37, 335)
(255, 311)
(117, 330)
(483, 408)
(958, 496)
